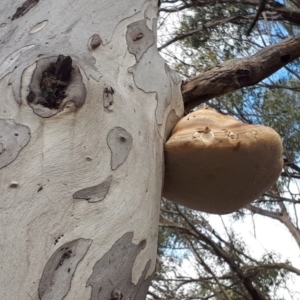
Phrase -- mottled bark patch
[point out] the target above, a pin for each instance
(60, 268)
(94, 193)
(24, 8)
(55, 82)
(149, 64)
(112, 274)
(13, 137)
(139, 38)
(119, 142)
(145, 77)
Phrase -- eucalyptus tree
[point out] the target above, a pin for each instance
(86, 105)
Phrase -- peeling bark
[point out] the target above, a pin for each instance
(95, 193)
(119, 142)
(112, 274)
(139, 38)
(60, 268)
(149, 61)
(24, 8)
(238, 73)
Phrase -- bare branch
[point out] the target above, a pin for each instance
(238, 73)
(281, 216)
(199, 29)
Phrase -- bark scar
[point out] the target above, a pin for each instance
(55, 81)
(24, 8)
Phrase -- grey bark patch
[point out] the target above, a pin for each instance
(95, 41)
(139, 38)
(145, 77)
(24, 8)
(60, 268)
(119, 142)
(13, 137)
(108, 97)
(71, 89)
(112, 274)
(149, 64)
(94, 193)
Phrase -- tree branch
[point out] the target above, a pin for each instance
(207, 268)
(281, 216)
(284, 266)
(238, 73)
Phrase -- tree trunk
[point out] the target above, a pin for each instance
(86, 105)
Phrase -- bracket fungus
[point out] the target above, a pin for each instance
(217, 164)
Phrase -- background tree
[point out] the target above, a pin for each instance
(205, 34)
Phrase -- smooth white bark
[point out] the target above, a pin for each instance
(89, 176)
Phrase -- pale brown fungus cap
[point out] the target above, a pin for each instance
(217, 164)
